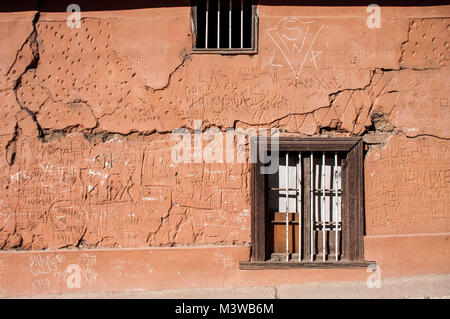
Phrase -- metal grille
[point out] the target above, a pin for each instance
(323, 209)
(224, 24)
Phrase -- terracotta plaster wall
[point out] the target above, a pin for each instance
(87, 114)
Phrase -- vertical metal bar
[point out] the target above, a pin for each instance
(312, 205)
(323, 207)
(336, 199)
(218, 24)
(206, 27)
(287, 206)
(299, 194)
(242, 24)
(229, 24)
(339, 206)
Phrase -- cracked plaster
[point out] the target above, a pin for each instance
(87, 112)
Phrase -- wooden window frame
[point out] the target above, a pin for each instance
(352, 203)
(224, 51)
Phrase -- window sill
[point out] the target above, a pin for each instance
(246, 265)
(225, 51)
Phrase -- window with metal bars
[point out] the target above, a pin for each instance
(227, 26)
(298, 232)
(311, 211)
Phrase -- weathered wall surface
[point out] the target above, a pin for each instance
(87, 115)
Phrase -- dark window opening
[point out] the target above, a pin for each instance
(224, 24)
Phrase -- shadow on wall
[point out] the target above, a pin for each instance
(109, 5)
(88, 5)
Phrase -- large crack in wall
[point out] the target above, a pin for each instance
(29, 49)
(344, 97)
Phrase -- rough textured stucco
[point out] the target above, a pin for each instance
(407, 187)
(86, 116)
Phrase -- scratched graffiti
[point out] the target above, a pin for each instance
(294, 42)
(50, 270)
(121, 194)
(408, 171)
(44, 264)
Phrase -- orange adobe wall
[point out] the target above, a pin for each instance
(87, 177)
